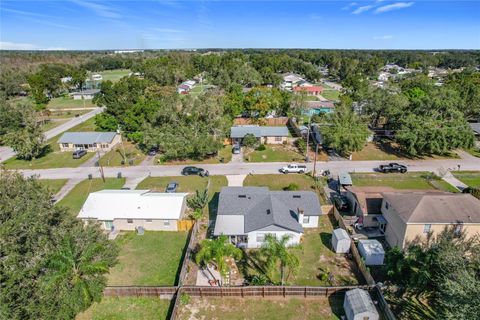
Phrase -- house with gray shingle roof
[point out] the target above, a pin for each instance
(247, 214)
(265, 134)
(89, 141)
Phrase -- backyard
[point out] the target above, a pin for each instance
(127, 308)
(224, 153)
(263, 308)
(114, 75)
(274, 153)
(390, 151)
(318, 262)
(114, 157)
(185, 183)
(152, 259)
(410, 180)
(74, 199)
(67, 102)
(470, 178)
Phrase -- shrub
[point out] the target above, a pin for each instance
(249, 140)
(184, 299)
(291, 187)
(301, 144)
(261, 147)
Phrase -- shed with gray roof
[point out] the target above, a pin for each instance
(266, 134)
(90, 141)
(247, 214)
(358, 305)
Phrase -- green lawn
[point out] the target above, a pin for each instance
(114, 157)
(74, 199)
(470, 178)
(68, 102)
(54, 185)
(274, 153)
(127, 308)
(263, 308)
(52, 124)
(331, 94)
(391, 151)
(152, 259)
(474, 152)
(88, 125)
(185, 183)
(114, 75)
(409, 180)
(225, 153)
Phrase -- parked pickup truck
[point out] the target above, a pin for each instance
(294, 168)
(392, 167)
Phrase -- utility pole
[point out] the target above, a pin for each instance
(307, 158)
(100, 167)
(315, 161)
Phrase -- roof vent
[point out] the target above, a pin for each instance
(268, 211)
(242, 195)
(297, 196)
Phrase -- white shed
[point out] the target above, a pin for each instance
(359, 306)
(340, 241)
(372, 252)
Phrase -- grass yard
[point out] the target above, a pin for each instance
(317, 261)
(185, 183)
(331, 94)
(127, 308)
(68, 103)
(274, 153)
(470, 178)
(152, 259)
(409, 180)
(114, 157)
(225, 153)
(200, 88)
(263, 309)
(52, 124)
(391, 151)
(88, 125)
(67, 114)
(53, 185)
(114, 75)
(74, 199)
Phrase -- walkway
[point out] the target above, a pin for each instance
(132, 183)
(66, 189)
(236, 180)
(450, 178)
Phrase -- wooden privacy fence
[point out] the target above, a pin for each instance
(185, 225)
(140, 291)
(262, 121)
(188, 253)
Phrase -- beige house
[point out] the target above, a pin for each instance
(130, 209)
(366, 204)
(265, 134)
(89, 141)
(411, 216)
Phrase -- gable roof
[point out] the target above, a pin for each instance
(434, 207)
(359, 301)
(132, 204)
(320, 104)
(258, 131)
(262, 208)
(369, 198)
(86, 92)
(309, 89)
(87, 137)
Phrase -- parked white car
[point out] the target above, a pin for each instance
(294, 168)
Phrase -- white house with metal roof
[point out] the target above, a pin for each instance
(130, 209)
(266, 134)
(85, 94)
(247, 214)
(89, 141)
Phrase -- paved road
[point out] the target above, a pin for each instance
(250, 168)
(7, 152)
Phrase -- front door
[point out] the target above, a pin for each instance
(108, 225)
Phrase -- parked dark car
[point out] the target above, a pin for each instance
(171, 187)
(77, 154)
(236, 149)
(194, 171)
(392, 167)
(152, 152)
(340, 202)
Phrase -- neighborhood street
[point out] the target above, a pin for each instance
(250, 168)
(7, 152)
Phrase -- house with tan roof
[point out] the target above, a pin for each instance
(412, 216)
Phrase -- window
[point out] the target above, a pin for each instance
(65, 145)
(260, 237)
(148, 220)
(386, 205)
(278, 138)
(129, 220)
(166, 223)
(427, 228)
(306, 219)
(458, 230)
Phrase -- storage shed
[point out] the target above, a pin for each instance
(359, 306)
(340, 241)
(344, 179)
(372, 252)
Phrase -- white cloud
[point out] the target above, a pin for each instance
(6, 45)
(56, 49)
(99, 9)
(362, 9)
(394, 6)
(350, 5)
(385, 37)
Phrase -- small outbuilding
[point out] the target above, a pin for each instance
(340, 241)
(359, 306)
(372, 252)
(344, 179)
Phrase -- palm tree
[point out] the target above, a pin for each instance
(78, 266)
(275, 250)
(216, 251)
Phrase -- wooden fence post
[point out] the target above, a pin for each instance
(326, 292)
(241, 290)
(305, 292)
(263, 292)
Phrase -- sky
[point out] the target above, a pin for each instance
(183, 24)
